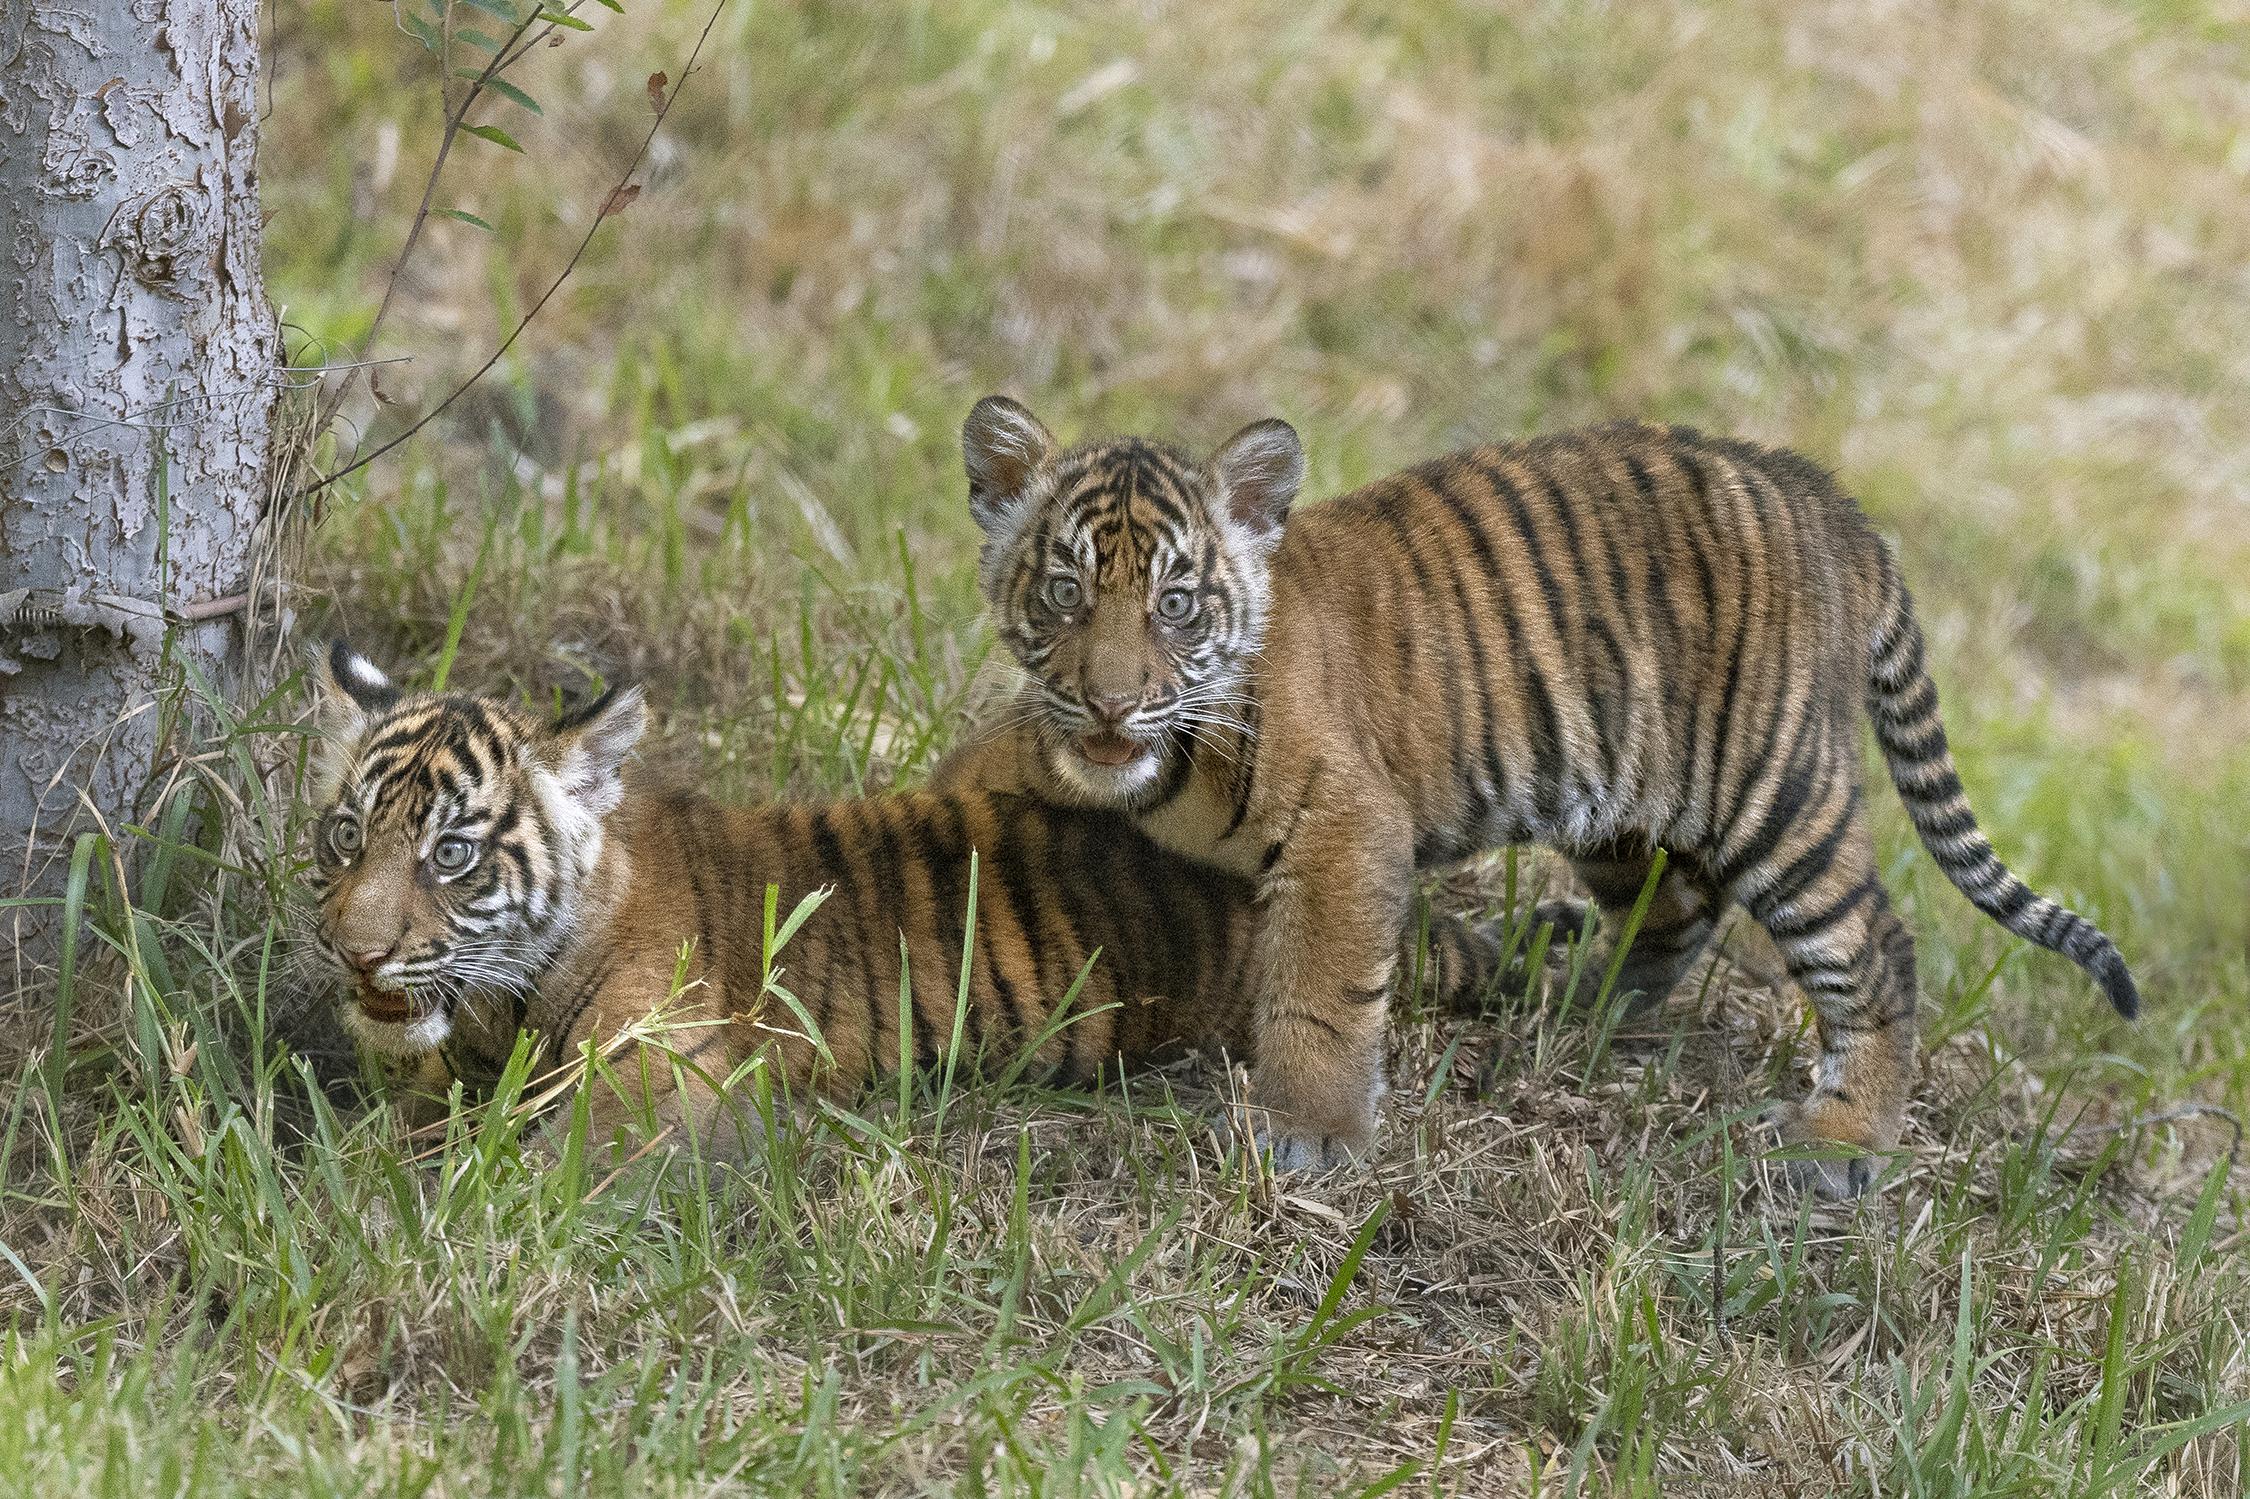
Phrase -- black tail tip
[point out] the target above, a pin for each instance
(2116, 979)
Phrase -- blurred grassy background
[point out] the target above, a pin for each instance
(1986, 259)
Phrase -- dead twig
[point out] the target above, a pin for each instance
(455, 119)
(2173, 1115)
(611, 202)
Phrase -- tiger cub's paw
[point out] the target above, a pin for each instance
(1307, 1140)
(1843, 1170)
(1302, 1150)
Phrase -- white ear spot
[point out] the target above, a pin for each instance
(361, 678)
(1002, 447)
(1256, 473)
(349, 691)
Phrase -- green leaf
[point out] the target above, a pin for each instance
(504, 9)
(494, 134)
(810, 903)
(509, 91)
(458, 620)
(465, 217)
(423, 31)
(557, 18)
(613, 5)
(475, 38)
(74, 906)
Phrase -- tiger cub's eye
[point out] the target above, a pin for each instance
(1064, 593)
(343, 837)
(452, 855)
(1175, 606)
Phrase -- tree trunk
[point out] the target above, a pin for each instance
(138, 368)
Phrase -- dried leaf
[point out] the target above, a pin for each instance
(621, 199)
(657, 83)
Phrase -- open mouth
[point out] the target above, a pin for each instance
(385, 1007)
(1109, 749)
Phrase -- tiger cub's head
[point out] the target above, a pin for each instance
(1129, 581)
(455, 836)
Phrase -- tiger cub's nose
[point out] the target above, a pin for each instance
(1111, 707)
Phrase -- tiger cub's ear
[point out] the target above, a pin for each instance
(1255, 475)
(1002, 446)
(591, 743)
(348, 690)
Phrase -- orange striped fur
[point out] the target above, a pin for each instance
(1609, 641)
(480, 872)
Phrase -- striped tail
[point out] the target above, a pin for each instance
(1903, 702)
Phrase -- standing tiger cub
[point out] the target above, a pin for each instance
(1609, 641)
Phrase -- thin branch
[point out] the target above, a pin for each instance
(455, 118)
(601, 214)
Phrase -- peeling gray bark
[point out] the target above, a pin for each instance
(135, 342)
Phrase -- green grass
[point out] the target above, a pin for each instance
(1984, 260)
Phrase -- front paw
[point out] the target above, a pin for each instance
(1839, 1172)
(1303, 1150)
(1295, 1140)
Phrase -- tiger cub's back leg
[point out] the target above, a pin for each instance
(1464, 956)
(1675, 929)
(1817, 893)
(1461, 963)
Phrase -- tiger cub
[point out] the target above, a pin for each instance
(1612, 641)
(480, 871)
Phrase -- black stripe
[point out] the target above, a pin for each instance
(1722, 738)
(1915, 704)
(1944, 789)
(1952, 825)
(957, 866)
(1690, 533)
(1919, 751)
(1551, 790)
(1899, 673)
(1470, 806)
(1020, 892)
(1243, 779)
(947, 873)
(2011, 899)
(1805, 924)
(1066, 880)
(860, 969)
(1480, 678)
(1308, 1017)
(1156, 941)
(585, 994)
(888, 860)
(1176, 774)
(1798, 875)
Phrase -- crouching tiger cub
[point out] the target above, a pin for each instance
(480, 871)
(1613, 641)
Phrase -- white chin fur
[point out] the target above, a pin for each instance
(1107, 785)
(403, 1039)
